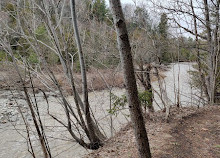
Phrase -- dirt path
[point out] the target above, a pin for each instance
(198, 136)
(191, 133)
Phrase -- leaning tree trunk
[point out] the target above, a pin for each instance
(130, 81)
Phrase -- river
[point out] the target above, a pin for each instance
(12, 132)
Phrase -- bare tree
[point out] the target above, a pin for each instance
(53, 24)
(204, 15)
(32, 107)
(94, 138)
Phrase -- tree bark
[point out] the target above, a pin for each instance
(130, 81)
(95, 141)
(210, 62)
(202, 76)
(149, 88)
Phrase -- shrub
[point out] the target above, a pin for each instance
(120, 102)
(2, 56)
(33, 58)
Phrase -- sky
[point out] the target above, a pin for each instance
(155, 15)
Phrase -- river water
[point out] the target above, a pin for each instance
(13, 135)
(178, 84)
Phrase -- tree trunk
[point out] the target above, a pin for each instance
(149, 88)
(144, 77)
(130, 81)
(95, 141)
(210, 61)
(202, 76)
(216, 52)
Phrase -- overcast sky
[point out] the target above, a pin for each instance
(154, 15)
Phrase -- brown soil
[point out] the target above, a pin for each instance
(191, 133)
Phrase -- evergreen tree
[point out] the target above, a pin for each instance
(163, 26)
(163, 35)
(98, 9)
(142, 18)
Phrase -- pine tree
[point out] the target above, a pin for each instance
(163, 35)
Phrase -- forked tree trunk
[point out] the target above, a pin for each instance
(96, 142)
(130, 81)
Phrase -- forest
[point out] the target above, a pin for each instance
(110, 78)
